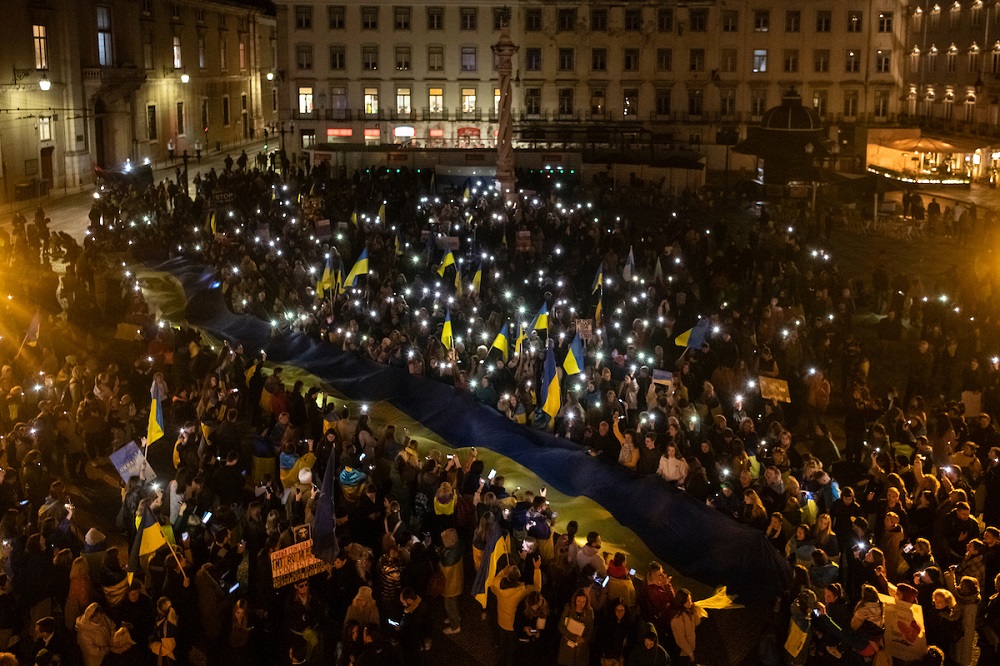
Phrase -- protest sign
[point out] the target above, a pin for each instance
(585, 328)
(129, 462)
(905, 639)
(295, 563)
(776, 389)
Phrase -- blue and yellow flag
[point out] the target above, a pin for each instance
(360, 268)
(693, 337)
(327, 279)
(449, 260)
(458, 281)
(154, 428)
(550, 397)
(31, 335)
(521, 337)
(502, 343)
(149, 538)
(541, 321)
(573, 363)
(211, 223)
(599, 311)
(354, 218)
(446, 337)
(598, 279)
(477, 279)
(466, 194)
(399, 245)
(381, 212)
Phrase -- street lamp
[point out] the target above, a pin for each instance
(270, 76)
(185, 78)
(44, 83)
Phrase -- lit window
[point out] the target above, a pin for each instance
(45, 128)
(305, 100)
(41, 46)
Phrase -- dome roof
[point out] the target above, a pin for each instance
(791, 116)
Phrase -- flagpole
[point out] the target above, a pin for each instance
(176, 559)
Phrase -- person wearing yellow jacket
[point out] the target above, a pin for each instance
(454, 579)
(509, 591)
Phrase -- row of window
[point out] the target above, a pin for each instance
(435, 100)
(177, 52)
(199, 14)
(567, 19)
(402, 18)
(663, 104)
(973, 62)
(152, 128)
(403, 58)
(955, 14)
(696, 60)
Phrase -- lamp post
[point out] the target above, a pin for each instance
(505, 50)
(282, 131)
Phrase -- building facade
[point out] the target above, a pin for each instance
(97, 82)
(667, 74)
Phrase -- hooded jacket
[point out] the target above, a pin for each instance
(654, 656)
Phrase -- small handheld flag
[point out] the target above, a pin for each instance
(629, 271)
(551, 400)
(446, 337)
(154, 428)
(541, 321)
(573, 363)
(360, 268)
(477, 279)
(458, 281)
(502, 343)
(449, 260)
(598, 279)
(695, 336)
(381, 212)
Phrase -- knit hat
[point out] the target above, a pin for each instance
(305, 476)
(93, 537)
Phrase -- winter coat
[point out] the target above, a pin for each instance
(575, 650)
(94, 630)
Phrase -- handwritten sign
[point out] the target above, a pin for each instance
(323, 228)
(523, 241)
(774, 389)
(129, 462)
(223, 197)
(585, 328)
(294, 563)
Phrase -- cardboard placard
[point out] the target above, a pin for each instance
(585, 328)
(223, 197)
(128, 332)
(264, 233)
(323, 228)
(905, 638)
(129, 462)
(523, 241)
(294, 563)
(776, 389)
(662, 377)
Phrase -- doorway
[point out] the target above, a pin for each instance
(46, 159)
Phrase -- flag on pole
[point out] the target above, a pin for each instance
(502, 343)
(495, 559)
(449, 260)
(598, 279)
(658, 272)
(381, 212)
(599, 311)
(325, 545)
(354, 217)
(360, 268)
(573, 363)
(31, 335)
(458, 281)
(211, 223)
(550, 398)
(446, 337)
(541, 321)
(629, 271)
(466, 194)
(149, 537)
(693, 337)
(477, 279)
(521, 337)
(154, 428)
(399, 245)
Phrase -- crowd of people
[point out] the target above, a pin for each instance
(874, 493)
